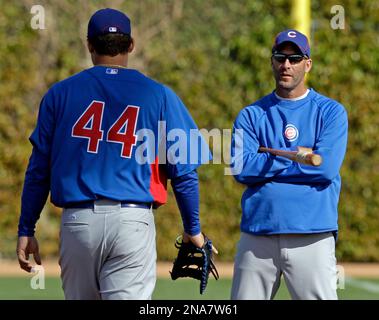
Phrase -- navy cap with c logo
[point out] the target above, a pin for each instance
(294, 36)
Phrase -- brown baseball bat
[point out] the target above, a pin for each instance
(303, 155)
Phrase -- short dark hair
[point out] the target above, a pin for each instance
(111, 44)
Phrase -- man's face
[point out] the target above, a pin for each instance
(289, 76)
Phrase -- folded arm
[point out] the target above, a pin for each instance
(249, 165)
(331, 145)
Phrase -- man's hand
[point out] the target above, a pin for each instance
(26, 246)
(304, 149)
(197, 240)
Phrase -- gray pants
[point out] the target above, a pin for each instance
(108, 252)
(306, 261)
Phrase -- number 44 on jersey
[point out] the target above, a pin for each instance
(88, 126)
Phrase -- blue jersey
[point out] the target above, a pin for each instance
(283, 196)
(107, 132)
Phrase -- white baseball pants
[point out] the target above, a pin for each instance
(306, 261)
(108, 252)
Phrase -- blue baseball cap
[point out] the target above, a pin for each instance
(108, 20)
(294, 36)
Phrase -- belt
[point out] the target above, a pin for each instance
(90, 205)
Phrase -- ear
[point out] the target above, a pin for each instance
(131, 47)
(272, 63)
(308, 65)
(91, 49)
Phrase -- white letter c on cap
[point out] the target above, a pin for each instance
(291, 34)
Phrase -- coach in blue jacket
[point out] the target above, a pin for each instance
(289, 210)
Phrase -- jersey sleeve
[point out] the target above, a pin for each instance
(186, 148)
(186, 190)
(247, 165)
(35, 192)
(37, 177)
(331, 145)
(41, 137)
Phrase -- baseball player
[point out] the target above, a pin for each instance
(289, 210)
(104, 146)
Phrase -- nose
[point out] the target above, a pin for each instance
(285, 65)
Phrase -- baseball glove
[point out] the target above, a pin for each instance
(194, 262)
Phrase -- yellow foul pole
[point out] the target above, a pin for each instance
(301, 18)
